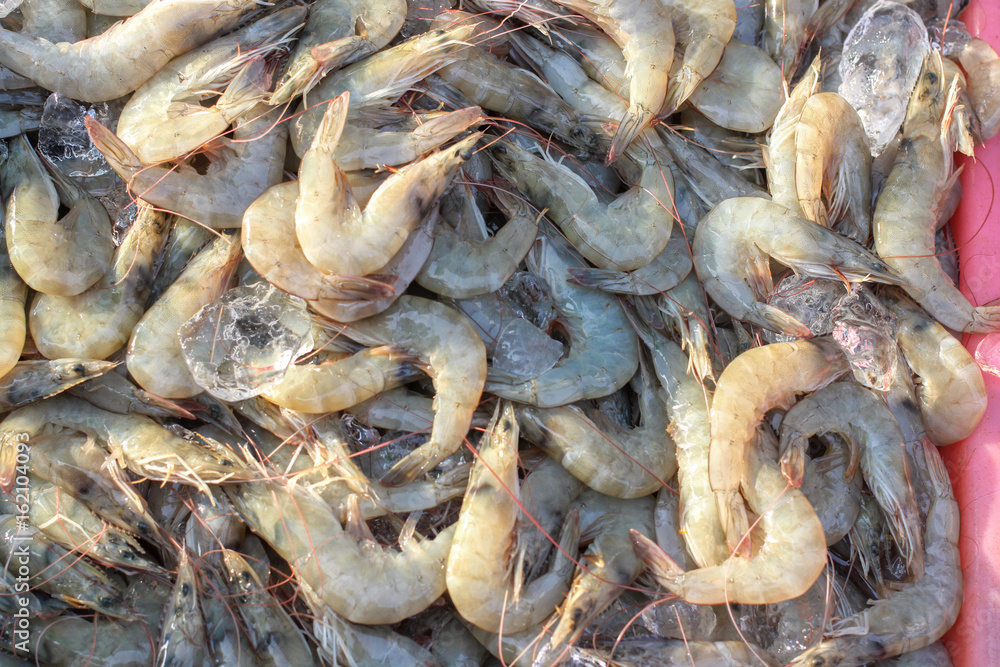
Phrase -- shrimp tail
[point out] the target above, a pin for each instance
(604, 279)
(635, 121)
(439, 130)
(332, 126)
(735, 522)
(409, 467)
(986, 318)
(247, 88)
(778, 320)
(664, 569)
(323, 58)
(793, 458)
(121, 158)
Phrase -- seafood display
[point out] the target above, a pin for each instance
(557, 332)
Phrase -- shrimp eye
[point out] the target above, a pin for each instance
(107, 601)
(79, 369)
(501, 149)
(932, 78)
(185, 589)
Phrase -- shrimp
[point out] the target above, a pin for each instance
(791, 557)
(832, 156)
(952, 392)
(833, 488)
(154, 357)
(237, 173)
(125, 56)
(689, 406)
(623, 236)
(328, 558)
(68, 522)
(616, 462)
(435, 336)
(13, 294)
(460, 268)
(340, 382)
(52, 569)
(337, 33)
(645, 33)
(115, 8)
(21, 121)
(915, 614)
(334, 233)
(604, 352)
(731, 249)
(398, 410)
(703, 30)
(867, 424)
(685, 308)
(479, 572)
(136, 442)
(99, 321)
(659, 651)
(382, 78)
(779, 154)
(785, 24)
(743, 93)
(982, 65)
(227, 642)
(758, 380)
(186, 240)
(711, 180)
(906, 214)
(272, 631)
(53, 255)
(54, 20)
(182, 639)
(663, 273)
(165, 118)
(485, 80)
(606, 568)
(30, 381)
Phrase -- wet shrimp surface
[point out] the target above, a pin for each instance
(559, 332)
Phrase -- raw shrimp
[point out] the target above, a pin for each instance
(743, 93)
(146, 448)
(433, 335)
(460, 268)
(53, 255)
(186, 240)
(685, 308)
(703, 30)
(53, 570)
(483, 557)
(915, 614)
(731, 249)
(182, 639)
(952, 393)
(658, 651)
(336, 34)
(617, 462)
(603, 353)
(382, 78)
(237, 173)
(867, 424)
(340, 382)
(227, 642)
(115, 7)
(22, 121)
(982, 65)
(13, 294)
(165, 118)
(99, 321)
(623, 236)
(779, 154)
(791, 556)
(124, 57)
(334, 233)
(758, 380)
(689, 406)
(154, 357)
(54, 20)
(347, 569)
(832, 157)
(644, 31)
(906, 214)
(834, 489)
(399, 410)
(113, 392)
(30, 381)
(272, 631)
(711, 180)
(785, 29)
(517, 94)
(663, 273)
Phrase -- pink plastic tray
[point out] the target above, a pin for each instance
(974, 463)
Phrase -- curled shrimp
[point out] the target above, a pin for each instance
(480, 575)
(328, 558)
(731, 249)
(906, 214)
(952, 392)
(447, 345)
(625, 235)
(97, 322)
(703, 30)
(125, 56)
(917, 613)
(832, 156)
(761, 378)
(858, 415)
(790, 559)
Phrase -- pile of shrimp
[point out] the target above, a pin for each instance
(568, 332)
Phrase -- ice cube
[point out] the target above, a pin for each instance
(949, 37)
(879, 66)
(524, 351)
(807, 299)
(866, 331)
(242, 344)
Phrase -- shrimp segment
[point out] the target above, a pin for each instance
(758, 380)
